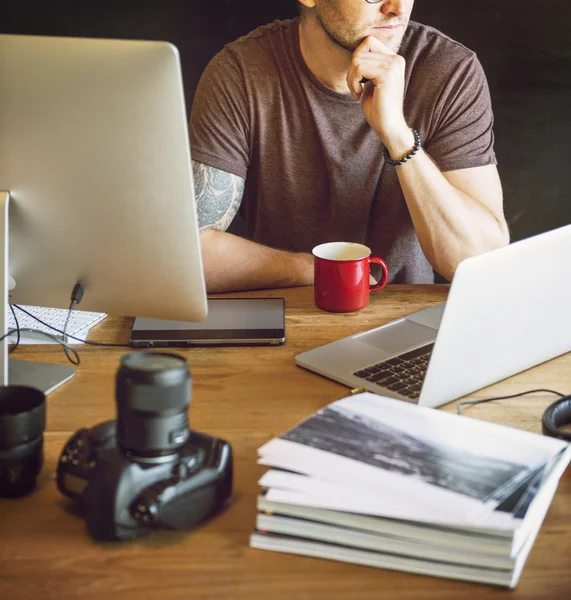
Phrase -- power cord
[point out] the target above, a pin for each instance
(76, 296)
(472, 402)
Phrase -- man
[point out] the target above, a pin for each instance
(304, 125)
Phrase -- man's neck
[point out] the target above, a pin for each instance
(328, 61)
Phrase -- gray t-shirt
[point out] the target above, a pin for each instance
(314, 169)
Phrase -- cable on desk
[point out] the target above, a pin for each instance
(74, 361)
(71, 353)
(68, 335)
(471, 402)
(17, 331)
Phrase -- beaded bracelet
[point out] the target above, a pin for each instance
(398, 163)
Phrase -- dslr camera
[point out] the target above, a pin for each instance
(146, 470)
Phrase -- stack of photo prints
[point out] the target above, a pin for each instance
(383, 483)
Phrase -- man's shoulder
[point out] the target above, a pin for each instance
(260, 51)
(265, 35)
(423, 41)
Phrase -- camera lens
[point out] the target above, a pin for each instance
(152, 395)
(22, 424)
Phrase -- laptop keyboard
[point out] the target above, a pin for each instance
(403, 374)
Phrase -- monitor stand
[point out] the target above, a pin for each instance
(43, 376)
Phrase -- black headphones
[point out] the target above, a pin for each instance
(558, 415)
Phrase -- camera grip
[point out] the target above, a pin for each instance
(183, 512)
(102, 495)
(190, 496)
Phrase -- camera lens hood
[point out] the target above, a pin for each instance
(144, 377)
(22, 424)
(22, 416)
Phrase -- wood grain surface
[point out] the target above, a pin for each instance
(247, 396)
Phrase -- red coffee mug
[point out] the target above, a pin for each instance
(341, 276)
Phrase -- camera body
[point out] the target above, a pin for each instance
(146, 470)
(123, 499)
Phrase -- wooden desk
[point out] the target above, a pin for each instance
(247, 396)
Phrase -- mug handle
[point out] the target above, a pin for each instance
(384, 277)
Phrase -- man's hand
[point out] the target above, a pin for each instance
(382, 95)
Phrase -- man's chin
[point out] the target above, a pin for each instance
(391, 39)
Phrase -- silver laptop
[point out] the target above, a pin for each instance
(507, 310)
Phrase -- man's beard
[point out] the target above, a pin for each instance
(349, 41)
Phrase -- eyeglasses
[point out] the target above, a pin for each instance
(373, 1)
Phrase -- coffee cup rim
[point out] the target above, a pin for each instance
(320, 251)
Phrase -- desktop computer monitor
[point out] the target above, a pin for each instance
(95, 184)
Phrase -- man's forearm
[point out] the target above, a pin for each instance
(232, 263)
(455, 215)
(450, 224)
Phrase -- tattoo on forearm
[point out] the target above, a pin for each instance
(218, 196)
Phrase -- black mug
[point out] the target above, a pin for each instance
(22, 424)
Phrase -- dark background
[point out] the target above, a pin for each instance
(524, 46)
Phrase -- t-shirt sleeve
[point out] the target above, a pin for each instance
(463, 134)
(219, 129)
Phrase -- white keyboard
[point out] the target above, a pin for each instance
(80, 322)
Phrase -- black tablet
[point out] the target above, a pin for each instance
(230, 321)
